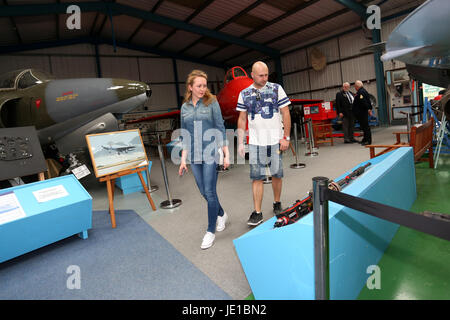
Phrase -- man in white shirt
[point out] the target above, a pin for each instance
(264, 105)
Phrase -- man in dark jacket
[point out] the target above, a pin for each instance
(344, 103)
(362, 108)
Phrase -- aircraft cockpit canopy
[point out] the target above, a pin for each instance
(235, 72)
(22, 79)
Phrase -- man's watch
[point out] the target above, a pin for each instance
(287, 138)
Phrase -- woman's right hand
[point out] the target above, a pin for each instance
(183, 169)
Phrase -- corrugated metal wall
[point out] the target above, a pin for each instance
(345, 63)
(79, 61)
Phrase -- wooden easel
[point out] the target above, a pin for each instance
(110, 183)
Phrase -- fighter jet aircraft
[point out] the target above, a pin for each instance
(422, 42)
(64, 111)
(119, 149)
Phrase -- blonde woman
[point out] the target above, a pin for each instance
(202, 118)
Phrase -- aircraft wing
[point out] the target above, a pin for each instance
(397, 54)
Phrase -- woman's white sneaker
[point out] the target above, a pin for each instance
(208, 240)
(221, 220)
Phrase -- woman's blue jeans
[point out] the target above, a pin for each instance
(206, 179)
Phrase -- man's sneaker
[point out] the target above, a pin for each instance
(221, 220)
(255, 219)
(208, 240)
(277, 208)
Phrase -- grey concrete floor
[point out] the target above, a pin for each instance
(185, 226)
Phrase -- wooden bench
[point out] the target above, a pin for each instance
(420, 138)
(323, 133)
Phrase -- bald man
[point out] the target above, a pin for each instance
(264, 105)
(363, 109)
(344, 103)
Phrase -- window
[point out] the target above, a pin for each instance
(27, 80)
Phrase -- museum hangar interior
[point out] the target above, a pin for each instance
(90, 100)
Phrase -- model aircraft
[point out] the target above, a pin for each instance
(64, 111)
(119, 149)
(422, 42)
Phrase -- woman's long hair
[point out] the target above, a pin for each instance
(208, 97)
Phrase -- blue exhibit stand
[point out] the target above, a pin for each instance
(279, 263)
(45, 222)
(131, 182)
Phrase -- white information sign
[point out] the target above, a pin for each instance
(10, 208)
(51, 193)
(80, 172)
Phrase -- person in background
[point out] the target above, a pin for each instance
(344, 103)
(362, 109)
(201, 113)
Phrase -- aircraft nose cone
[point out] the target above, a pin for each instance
(128, 88)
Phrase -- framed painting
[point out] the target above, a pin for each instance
(112, 152)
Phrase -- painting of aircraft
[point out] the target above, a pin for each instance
(119, 149)
(65, 110)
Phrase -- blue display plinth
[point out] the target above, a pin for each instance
(131, 182)
(46, 222)
(279, 263)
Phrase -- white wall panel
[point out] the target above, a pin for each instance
(361, 68)
(14, 62)
(350, 44)
(386, 29)
(185, 67)
(329, 76)
(119, 67)
(326, 94)
(297, 82)
(73, 67)
(82, 48)
(294, 61)
(300, 96)
(163, 97)
(328, 48)
(156, 70)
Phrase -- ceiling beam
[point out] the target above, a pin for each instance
(155, 7)
(188, 19)
(97, 41)
(299, 29)
(118, 9)
(299, 7)
(223, 24)
(356, 7)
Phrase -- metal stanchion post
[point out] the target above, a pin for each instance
(149, 185)
(170, 203)
(312, 146)
(302, 129)
(321, 240)
(296, 165)
(268, 178)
